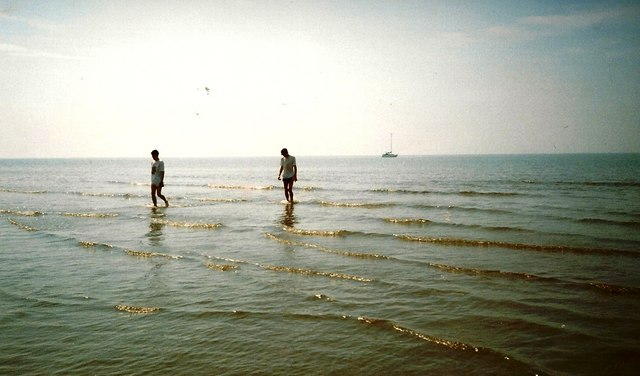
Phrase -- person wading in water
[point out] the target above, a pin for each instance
(157, 179)
(290, 170)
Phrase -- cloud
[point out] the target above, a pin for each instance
(512, 34)
(582, 20)
(532, 28)
(12, 49)
(15, 50)
(7, 15)
(25, 24)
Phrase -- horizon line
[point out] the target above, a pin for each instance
(335, 156)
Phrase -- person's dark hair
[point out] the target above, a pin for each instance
(284, 151)
(155, 152)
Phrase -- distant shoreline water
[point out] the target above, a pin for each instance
(329, 156)
(491, 264)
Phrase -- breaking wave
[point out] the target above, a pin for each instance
(408, 221)
(422, 221)
(144, 254)
(355, 204)
(499, 273)
(104, 194)
(221, 267)
(205, 199)
(518, 246)
(461, 193)
(93, 244)
(244, 187)
(21, 225)
(196, 225)
(630, 224)
(19, 191)
(517, 367)
(481, 193)
(325, 249)
(293, 270)
(136, 309)
(91, 215)
(386, 324)
(23, 213)
(135, 183)
(613, 289)
(317, 232)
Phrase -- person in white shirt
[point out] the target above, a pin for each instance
(157, 179)
(288, 166)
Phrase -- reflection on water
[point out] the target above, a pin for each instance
(155, 234)
(288, 219)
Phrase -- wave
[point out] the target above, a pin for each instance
(259, 187)
(144, 254)
(599, 286)
(136, 309)
(492, 273)
(312, 272)
(134, 183)
(482, 193)
(461, 193)
(495, 356)
(393, 190)
(326, 250)
(21, 225)
(381, 323)
(322, 297)
(87, 244)
(20, 191)
(243, 187)
(355, 204)
(221, 267)
(622, 184)
(460, 208)
(309, 189)
(614, 289)
(196, 225)
(630, 224)
(317, 232)
(91, 215)
(408, 221)
(102, 194)
(205, 199)
(23, 213)
(235, 261)
(422, 221)
(586, 183)
(603, 287)
(518, 246)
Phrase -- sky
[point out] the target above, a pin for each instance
(200, 78)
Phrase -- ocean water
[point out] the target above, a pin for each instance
(448, 265)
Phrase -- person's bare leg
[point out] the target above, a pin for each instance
(288, 189)
(153, 195)
(166, 203)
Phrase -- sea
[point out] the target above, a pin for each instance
(416, 265)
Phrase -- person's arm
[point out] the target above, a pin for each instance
(280, 173)
(162, 178)
(295, 173)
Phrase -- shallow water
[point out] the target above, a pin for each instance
(414, 265)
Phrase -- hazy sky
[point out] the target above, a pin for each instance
(242, 78)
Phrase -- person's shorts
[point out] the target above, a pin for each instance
(288, 180)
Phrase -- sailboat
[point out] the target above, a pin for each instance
(390, 154)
